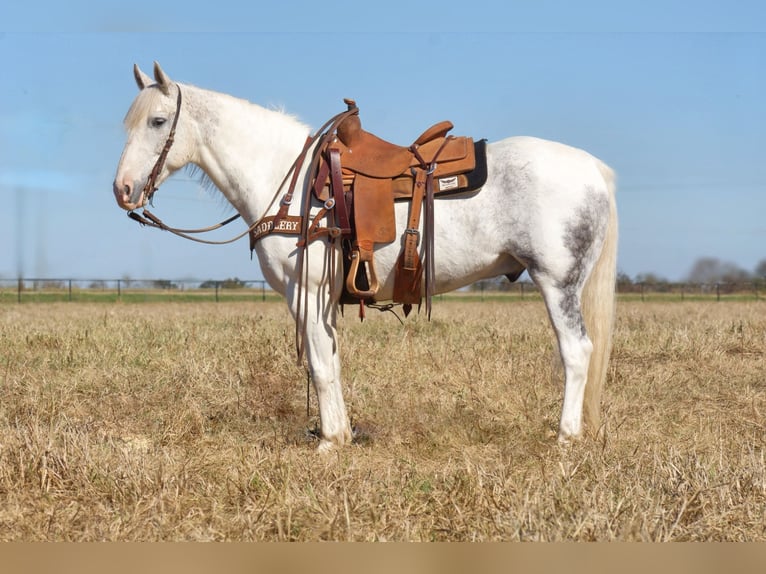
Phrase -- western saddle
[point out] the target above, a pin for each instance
(358, 178)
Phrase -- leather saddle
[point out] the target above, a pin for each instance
(362, 175)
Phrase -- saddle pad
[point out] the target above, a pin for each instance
(446, 185)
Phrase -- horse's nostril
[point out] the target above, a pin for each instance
(126, 190)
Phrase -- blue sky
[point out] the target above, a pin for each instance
(670, 94)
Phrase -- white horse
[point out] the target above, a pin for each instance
(546, 207)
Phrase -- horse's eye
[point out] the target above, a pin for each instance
(157, 122)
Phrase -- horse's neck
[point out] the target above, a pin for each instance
(246, 150)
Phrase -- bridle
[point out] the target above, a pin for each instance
(150, 186)
(147, 218)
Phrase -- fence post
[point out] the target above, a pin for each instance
(119, 289)
(18, 290)
(263, 291)
(217, 283)
(70, 290)
(717, 291)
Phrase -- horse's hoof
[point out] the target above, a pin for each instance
(326, 446)
(565, 439)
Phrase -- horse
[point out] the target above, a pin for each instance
(545, 207)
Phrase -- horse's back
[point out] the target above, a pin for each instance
(544, 160)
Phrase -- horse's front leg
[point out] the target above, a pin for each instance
(321, 340)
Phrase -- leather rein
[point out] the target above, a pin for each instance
(261, 227)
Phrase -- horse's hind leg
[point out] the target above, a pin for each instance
(562, 299)
(561, 270)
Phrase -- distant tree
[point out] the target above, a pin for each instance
(232, 283)
(624, 279)
(650, 279)
(733, 273)
(625, 283)
(713, 270)
(164, 284)
(654, 282)
(760, 269)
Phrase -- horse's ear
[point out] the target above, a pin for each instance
(163, 82)
(142, 80)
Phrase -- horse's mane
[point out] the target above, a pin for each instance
(144, 103)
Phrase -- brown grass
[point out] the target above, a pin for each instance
(188, 422)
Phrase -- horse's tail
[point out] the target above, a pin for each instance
(598, 303)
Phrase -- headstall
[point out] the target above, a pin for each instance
(281, 222)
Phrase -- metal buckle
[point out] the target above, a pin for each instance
(415, 232)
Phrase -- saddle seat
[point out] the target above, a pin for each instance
(370, 155)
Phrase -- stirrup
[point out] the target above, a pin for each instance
(356, 257)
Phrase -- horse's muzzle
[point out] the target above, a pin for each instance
(128, 195)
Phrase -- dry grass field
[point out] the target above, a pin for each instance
(188, 421)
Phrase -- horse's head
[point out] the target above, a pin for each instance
(155, 145)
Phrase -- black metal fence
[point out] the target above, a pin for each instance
(754, 289)
(644, 291)
(50, 290)
(146, 290)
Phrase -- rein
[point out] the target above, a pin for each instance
(147, 218)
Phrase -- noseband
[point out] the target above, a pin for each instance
(150, 186)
